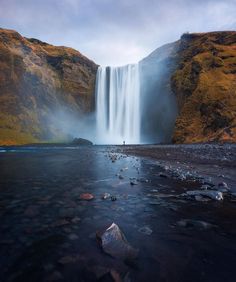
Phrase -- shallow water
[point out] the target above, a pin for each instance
(43, 219)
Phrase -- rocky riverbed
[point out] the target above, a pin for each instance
(118, 213)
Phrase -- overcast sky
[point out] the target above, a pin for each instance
(115, 32)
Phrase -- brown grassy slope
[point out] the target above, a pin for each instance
(205, 87)
(37, 79)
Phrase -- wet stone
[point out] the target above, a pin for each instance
(75, 220)
(145, 230)
(73, 236)
(106, 196)
(68, 259)
(212, 194)
(189, 223)
(86, 196)
(114, 243)
(133, 182)
(163, 175)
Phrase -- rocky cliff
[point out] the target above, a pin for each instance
(205, 87)
(37, 80)
(188, 89)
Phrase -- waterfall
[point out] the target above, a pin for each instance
(118, 105)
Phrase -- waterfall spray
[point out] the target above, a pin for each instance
(118, 105)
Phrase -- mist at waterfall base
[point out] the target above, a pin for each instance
(69, 125)
(133, 103)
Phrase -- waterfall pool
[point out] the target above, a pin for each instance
(47, 233)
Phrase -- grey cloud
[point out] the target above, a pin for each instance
(115, 32)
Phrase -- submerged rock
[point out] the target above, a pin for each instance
(145, 230)
(163, 175)
(133, 181)
(86, 196)
(195, 223)
(212, 194)
(114, 243)
(223, 187)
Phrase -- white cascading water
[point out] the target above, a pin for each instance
(118, 105)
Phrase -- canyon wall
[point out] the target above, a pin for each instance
(205, 87)
(188, 90)
(41, 85)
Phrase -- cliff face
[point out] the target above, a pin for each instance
(205, 87)
(36, 80)
(193, 79)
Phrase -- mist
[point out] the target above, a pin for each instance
(68, 125)
(158, 102)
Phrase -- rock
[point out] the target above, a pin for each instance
(81, 142)
(133, 182)
(195, 223)
(123, 169)
(114, 243)
(142, 179)
(223, 186)
(86, 196)
(75, 219)
(145, 230)
(113, 157)
(73, 236)
(205, 187)
(200, 198)
(121, 177)
(163, 175)
(212, 194)
(106, 196)
(113, 198)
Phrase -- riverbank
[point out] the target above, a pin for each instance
(212, 163)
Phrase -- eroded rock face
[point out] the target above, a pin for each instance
(205, 87)
(188, 90)
(37, 80)
(193, 79)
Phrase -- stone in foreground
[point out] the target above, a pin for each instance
(86, 196)
(114, 243)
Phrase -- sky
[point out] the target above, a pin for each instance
(115, 32)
